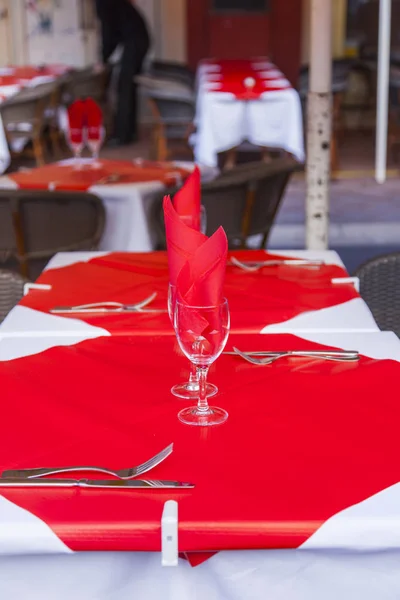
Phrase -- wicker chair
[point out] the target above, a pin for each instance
(380, 288)
(172, 70)
(244, 201)
(11, 291)
(172, 105)
(24, 119)
(45, 223)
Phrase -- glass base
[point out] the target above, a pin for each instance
(213, 416)
(190, 391)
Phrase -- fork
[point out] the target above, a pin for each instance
(256, 266)
(269, 358)
(102, 307)
(124, 474)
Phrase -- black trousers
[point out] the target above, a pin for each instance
(126, 118)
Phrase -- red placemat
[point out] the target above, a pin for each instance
(82, 177)
(304, 440)
(272, 295)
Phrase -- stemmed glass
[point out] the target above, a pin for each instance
(191, 388)
(76, 146)
(202, 333)
(94, 143)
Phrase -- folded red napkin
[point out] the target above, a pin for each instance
(182, 240)
(76, 121)
(201, 279)
(94, 120)
(200, 284)
(187, 201)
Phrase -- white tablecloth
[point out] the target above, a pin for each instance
(224, 122)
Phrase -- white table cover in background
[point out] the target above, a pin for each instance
(128, 206)
(223, 121)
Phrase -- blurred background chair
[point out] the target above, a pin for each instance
(244, 201)
(87, 83)
(380, 288)
(172, 70)
(172, 105)
(24, 119)
(44, 223)
(11, 291)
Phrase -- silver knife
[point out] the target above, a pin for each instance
(97, 483)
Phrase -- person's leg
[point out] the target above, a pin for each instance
(127, 106)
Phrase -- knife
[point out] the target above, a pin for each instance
(96, 483)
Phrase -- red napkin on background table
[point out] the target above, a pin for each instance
(76, 121)
(187, 201)
(182, 240)
(94, 120)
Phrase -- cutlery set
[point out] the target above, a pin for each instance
(124, 478)
(268, 357)
(253, 266)
(109, 307)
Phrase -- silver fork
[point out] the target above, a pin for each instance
(102, 307)
(253, 266)
(269, 358)
(124, 474)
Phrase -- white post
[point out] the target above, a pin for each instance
(319, 126)
(383, 90)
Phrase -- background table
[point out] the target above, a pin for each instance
(269, 117)
(12, 80)
(128, 201)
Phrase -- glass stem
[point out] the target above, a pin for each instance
(202, 405)
(193, 377)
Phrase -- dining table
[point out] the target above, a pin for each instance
(127, 188)
(12, 80)
(245, 101)
(296, 496)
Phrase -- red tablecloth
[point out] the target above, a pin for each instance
(81, 177)
(304, 440)
(272, 295)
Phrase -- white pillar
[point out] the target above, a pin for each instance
(383, 90)
(319, 126)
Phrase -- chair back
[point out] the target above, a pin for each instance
(11, 291)
(45, 223)
(8, 246)
(246, 199)
(171, 110)
(85, 83)
(27, 108)
(174, 71)
(380, 288)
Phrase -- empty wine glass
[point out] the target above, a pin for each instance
(202, 333)
(191, 388)
(76, 143)
(94, 142)
(203, 219)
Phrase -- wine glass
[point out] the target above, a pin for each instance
(76, 143)
(203, 220)
(202, 333)
(191, 388)
(94, 142)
